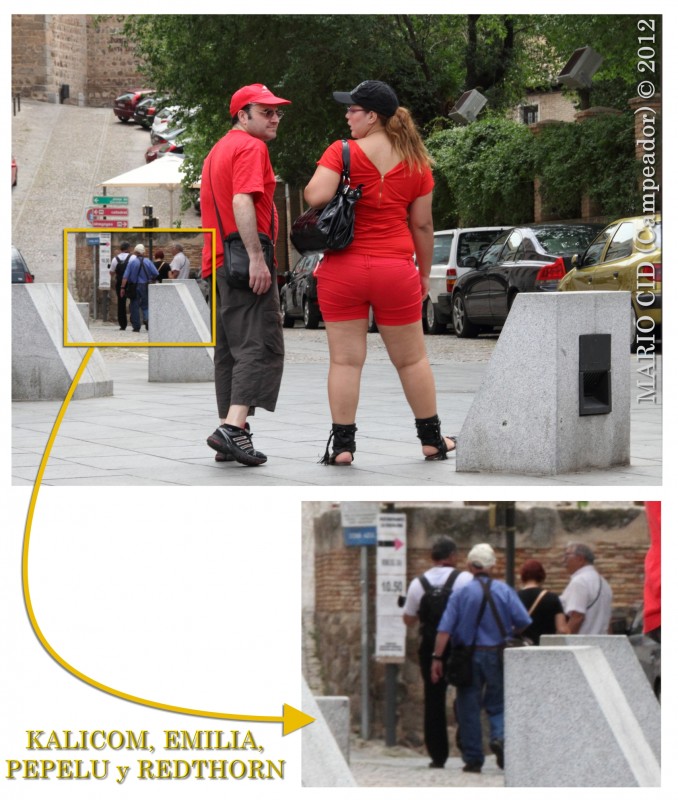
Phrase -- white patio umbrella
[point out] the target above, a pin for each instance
(163, 173)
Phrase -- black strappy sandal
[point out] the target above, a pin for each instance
(428, 432)
(344, 442)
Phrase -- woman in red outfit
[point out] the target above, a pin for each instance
(393, 220)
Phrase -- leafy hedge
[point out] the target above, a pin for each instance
(485, 171)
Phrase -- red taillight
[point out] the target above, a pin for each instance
(450, 279)
(651, 271)
(551, 272)
(29, 278)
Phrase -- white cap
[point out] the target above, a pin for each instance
(482, 556)
(140, 249)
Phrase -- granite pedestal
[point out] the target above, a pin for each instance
(322, 762)
(42, 368)
(568, 722)
(175, 317)
(526, 416)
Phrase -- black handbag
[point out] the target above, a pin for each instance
(130, 290)
(459, 668)
(331, 227)
(236, 257)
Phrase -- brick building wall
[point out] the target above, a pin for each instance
(618, 536)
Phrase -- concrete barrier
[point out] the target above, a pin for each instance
(83, 308)
(336, 712)
(322, 762)
(199, 299)
(525, 418)
(42, 368)
(174, 316)
(569, 723)
(630, 676)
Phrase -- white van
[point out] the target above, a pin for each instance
(450, 248)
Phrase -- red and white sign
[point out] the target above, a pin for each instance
(106, 213)
(108, 223)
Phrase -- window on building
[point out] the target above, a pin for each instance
(530, 114)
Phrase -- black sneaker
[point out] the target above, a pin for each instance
(237, 442)
(472, 768)
(220, 457)
(497, 747)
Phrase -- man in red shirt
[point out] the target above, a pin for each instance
(236, 196)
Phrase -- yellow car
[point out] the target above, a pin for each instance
(625, 256)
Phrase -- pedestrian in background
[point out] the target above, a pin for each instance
(117, 270)
(180, 267)
(161, 265)
(393, 220)
(140, 271)
(587, 599)
(544, 607)
(425, 603)
(471, 619)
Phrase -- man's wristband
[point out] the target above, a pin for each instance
(436, 658)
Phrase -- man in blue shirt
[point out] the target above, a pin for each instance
(461, 623)
(139, 272)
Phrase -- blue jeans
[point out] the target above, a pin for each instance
(140, 302)
(487, 691)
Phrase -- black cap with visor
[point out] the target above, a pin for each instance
(372, 96)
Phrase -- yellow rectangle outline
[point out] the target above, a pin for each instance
(136, 231)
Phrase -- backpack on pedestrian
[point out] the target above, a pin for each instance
(432, 606)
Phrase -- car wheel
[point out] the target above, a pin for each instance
(430, 316)
(634, 330)
(288, 322)
(371, 322)
(311, 314)
(123, 119)
(462, 327)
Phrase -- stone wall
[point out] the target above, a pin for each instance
(91, 57)
(618, 536)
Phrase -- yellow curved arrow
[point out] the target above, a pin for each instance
(292, 719)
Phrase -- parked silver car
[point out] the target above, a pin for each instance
(450, 248)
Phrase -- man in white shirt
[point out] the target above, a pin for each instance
(425, 595)
(180, 266)
(587, 599)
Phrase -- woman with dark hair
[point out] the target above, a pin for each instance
(543, 606)
(162, 266)
(393, 220)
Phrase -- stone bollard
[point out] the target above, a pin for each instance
(556, 394)
(42, 368)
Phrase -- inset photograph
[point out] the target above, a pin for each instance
(472, 644)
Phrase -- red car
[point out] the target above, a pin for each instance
(15, 172)
(172, 144)
(124, 106)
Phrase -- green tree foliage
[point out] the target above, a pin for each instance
(485, 173)
(595, 157)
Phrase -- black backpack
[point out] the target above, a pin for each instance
(433, 604)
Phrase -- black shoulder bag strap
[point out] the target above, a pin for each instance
(490, 600)
(449, 582)
(216, 211)
(595, 599)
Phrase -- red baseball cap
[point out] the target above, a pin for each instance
(254, 93)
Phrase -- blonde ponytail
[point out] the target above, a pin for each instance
(405, 138)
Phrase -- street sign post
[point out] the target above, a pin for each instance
(108, 223)
(359, 522)
(391, 578)
(105, 200)
(108, 211)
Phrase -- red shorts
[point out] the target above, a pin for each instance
(348, 284)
